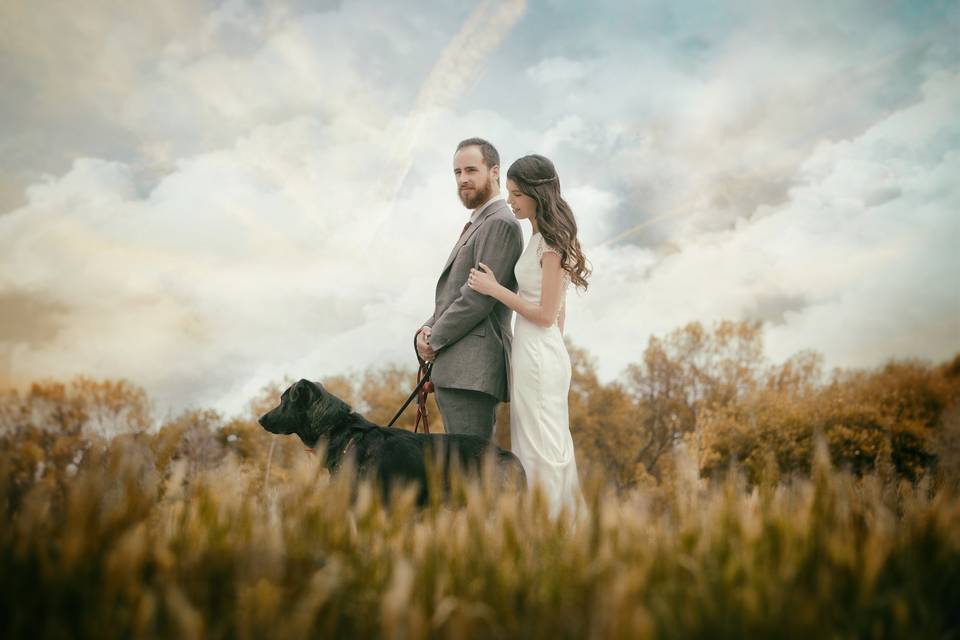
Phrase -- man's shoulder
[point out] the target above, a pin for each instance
(501, 214)
(501, 226)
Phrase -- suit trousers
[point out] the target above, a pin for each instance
(467, 411)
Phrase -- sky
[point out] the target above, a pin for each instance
(206, 197)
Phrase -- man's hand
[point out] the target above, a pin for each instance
(423, 347)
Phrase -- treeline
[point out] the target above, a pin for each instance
(710, 390)
(714, 390)
(206, 526)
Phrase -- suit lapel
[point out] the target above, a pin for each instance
(485, 213)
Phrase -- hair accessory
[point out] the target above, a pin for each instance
(542, 180)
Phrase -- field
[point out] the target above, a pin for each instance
(727, 497)
(120, 548)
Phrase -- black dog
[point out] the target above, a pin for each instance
(389, 454)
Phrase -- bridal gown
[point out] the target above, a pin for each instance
(539, 419)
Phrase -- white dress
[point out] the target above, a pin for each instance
(539, 418)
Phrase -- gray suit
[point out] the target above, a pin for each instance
(471, 332)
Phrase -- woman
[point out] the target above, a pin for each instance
(540, 364)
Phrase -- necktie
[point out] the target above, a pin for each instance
(465, 227)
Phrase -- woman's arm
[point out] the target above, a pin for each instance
(499, 242)
(542, 314)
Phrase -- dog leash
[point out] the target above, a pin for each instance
(424, 387)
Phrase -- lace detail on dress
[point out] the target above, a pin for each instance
(565, 275)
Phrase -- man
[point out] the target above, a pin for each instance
(468, 337)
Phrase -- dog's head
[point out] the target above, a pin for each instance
(306, 409)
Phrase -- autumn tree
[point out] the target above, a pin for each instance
(604, 423)
(193, 437)
(107, 407)
(690, 371)
(898, 406)
(871, 419)
(55, 424)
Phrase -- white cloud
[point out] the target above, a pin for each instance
(593, 209)
(234, 218)
(242, 265)
(557, 71)
(863, 283)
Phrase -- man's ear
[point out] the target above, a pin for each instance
(495, 174)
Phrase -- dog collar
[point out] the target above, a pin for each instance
(346, 448)
(343, 453)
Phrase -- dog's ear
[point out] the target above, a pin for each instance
(302, 392)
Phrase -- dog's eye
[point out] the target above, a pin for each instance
(295, 394)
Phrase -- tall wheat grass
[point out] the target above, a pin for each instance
(121, 549)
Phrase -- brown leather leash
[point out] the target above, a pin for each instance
(424, 390)
(421, 391)
(424, 387)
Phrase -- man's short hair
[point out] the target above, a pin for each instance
(490, 156)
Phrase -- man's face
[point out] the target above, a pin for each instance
(475, 182)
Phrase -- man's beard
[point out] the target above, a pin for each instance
(478, 197)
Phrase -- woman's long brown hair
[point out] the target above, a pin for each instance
(536, 177)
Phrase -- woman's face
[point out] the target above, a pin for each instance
(524, 207)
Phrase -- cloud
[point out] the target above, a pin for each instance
(858, 277)
(205, 197)
(557, 70)
(710, 114)
(242, 265)
(459, 64)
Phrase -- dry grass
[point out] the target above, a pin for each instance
(121, 548)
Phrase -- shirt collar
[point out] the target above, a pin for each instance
(476, 212)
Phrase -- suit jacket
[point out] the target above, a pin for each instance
(471, 332)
